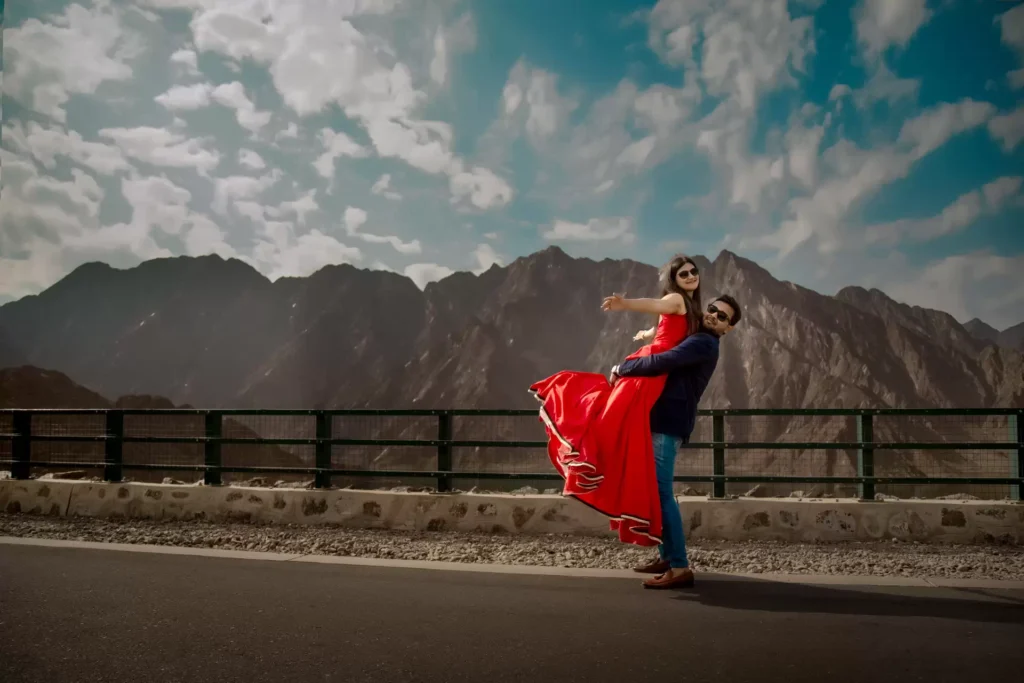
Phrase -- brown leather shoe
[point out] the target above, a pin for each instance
(655, 566)
(684, 579)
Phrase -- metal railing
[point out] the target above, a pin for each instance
(25, 435)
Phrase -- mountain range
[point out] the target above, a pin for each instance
(1011, 337)
(215, 333)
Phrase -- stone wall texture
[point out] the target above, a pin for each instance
(785, 519)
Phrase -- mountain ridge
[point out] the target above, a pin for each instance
(215, 332)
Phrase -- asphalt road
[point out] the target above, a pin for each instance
(77, 616)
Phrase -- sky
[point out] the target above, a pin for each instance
(877, 143)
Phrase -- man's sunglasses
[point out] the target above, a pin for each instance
(689, 272)
(718, 313)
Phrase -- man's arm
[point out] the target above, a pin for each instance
(696, 348)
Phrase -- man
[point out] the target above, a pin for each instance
(689, 367)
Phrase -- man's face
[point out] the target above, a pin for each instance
(717, 317)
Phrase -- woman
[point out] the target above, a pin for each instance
(599, 435)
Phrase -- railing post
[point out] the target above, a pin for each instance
(1017, 459)
(211, 449)
(718, 455)
(444, 451)
(323, 450)
(113, 447)
(866, 455)
(21, 448)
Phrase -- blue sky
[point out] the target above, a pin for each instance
(877, 143)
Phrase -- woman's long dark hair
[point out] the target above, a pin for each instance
(668, 284)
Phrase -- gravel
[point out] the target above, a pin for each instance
(768, 557)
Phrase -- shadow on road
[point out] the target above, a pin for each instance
(767, 596)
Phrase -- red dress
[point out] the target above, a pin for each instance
(599, 439)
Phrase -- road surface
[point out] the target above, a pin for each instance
(82, 615)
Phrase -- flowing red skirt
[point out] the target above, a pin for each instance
(599, 440)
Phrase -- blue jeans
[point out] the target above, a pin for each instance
(673, 542)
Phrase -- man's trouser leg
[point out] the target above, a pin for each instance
(673, 547)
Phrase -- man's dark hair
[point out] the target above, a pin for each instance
(726, 298)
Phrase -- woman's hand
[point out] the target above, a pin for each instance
(615, 302)
(642, 335)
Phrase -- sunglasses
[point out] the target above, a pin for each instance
(718, 313)
(688, 272)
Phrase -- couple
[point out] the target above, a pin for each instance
(615, 442)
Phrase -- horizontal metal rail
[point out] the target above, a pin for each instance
(456, 443)
(113, 437)
(466, 412)
(543, 476)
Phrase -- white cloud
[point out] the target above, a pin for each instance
(161, 147)
(355, 218)
(73, 53)
(290, 132)
(336, 145)
(885, 23)
(186, 97)
(485, 257)
(232, 95)
(636, 153)
(660, 108)
(748, 48)
(1008, 128)
(1011, 25)
(999, 192)
(81, 196)
(49, 226)
(963, 212)
(457, 38)
(978, 284)
(232, 189)
(383, 187)
(316, 57)
(882, 86)
(425, 145)
(934, 127)
(284, 255)
(46, 144)
(481, 188)
(625, 132)
(749, 176)
(300, 207)
(203, 236)
(157, 202)
(802, 159)
(188, 59)
(594, 230)
(424, 273)
(531, 99)
(251, 160)
(856, 174)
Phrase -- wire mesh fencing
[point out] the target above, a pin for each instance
(939, 463)
(806, 453)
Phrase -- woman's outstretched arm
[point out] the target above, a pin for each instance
(667, 305)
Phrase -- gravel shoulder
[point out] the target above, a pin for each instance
(864, 559)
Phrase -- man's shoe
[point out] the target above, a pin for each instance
(655, 566)
(683, 579)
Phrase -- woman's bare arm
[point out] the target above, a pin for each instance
(667, 305)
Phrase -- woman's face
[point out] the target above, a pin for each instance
(687, 277)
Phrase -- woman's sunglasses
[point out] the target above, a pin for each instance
(720, 314)
(688, 272)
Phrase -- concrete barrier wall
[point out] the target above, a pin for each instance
(735, 519)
